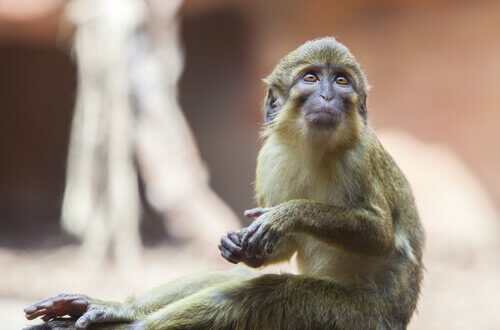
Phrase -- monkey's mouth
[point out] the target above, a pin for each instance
(324, 117)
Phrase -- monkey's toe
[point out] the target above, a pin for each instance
(61, 305)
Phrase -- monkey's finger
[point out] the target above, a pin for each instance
(229, 259)
(264, 242)
(235, 238)
(52, 302)
(70, 298)
(227, 255)
(34, 315)
(229, 245)
(272, 241)
(242, 233)
(47, 303)
(250, 230)
(253, 242)
(256, 212)
(230, 252)
(49, 317)
(247, 234)
(93, 315)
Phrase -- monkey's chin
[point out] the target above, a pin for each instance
(323, 119)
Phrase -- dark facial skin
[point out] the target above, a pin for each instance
(327, 93)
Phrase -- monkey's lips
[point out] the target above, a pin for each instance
(324, 117)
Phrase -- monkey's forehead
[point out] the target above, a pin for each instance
(327, 51)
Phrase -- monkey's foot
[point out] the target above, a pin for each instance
(64, 304)
(86, 311)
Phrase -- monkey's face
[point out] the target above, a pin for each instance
(317, 92)
(325, 95)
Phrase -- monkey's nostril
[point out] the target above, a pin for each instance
(327, 97)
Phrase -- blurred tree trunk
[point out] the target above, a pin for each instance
(101, 201)
(127, 108)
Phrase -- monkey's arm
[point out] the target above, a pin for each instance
(365, 230)
(88, 311)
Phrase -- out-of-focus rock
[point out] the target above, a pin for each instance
(463, 236)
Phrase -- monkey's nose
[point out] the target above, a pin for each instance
(326, 97)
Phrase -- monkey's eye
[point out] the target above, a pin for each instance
(310, 77)
(341, 80)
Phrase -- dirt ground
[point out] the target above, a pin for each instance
(30, 276)
(27, 277)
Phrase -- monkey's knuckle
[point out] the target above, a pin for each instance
(250, 247)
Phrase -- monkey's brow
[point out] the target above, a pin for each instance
(315, 67)
(304, 69)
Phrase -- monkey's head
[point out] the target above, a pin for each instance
(317, 90)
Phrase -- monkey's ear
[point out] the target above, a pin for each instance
(362, 107)
(272, 106)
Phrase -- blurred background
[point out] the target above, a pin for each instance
(115, 202)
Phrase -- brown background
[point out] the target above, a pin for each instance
(434, 67)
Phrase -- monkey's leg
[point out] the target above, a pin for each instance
(274, 302)
(89, 311)
(184, 287)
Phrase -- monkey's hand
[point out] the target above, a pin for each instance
(230, 249)
(86, 310)
(265, 232)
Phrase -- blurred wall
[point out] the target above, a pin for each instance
(37, 87)
(434, 67)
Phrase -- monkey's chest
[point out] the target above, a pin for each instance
(287, 181)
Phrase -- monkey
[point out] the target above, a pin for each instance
(328, 193)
